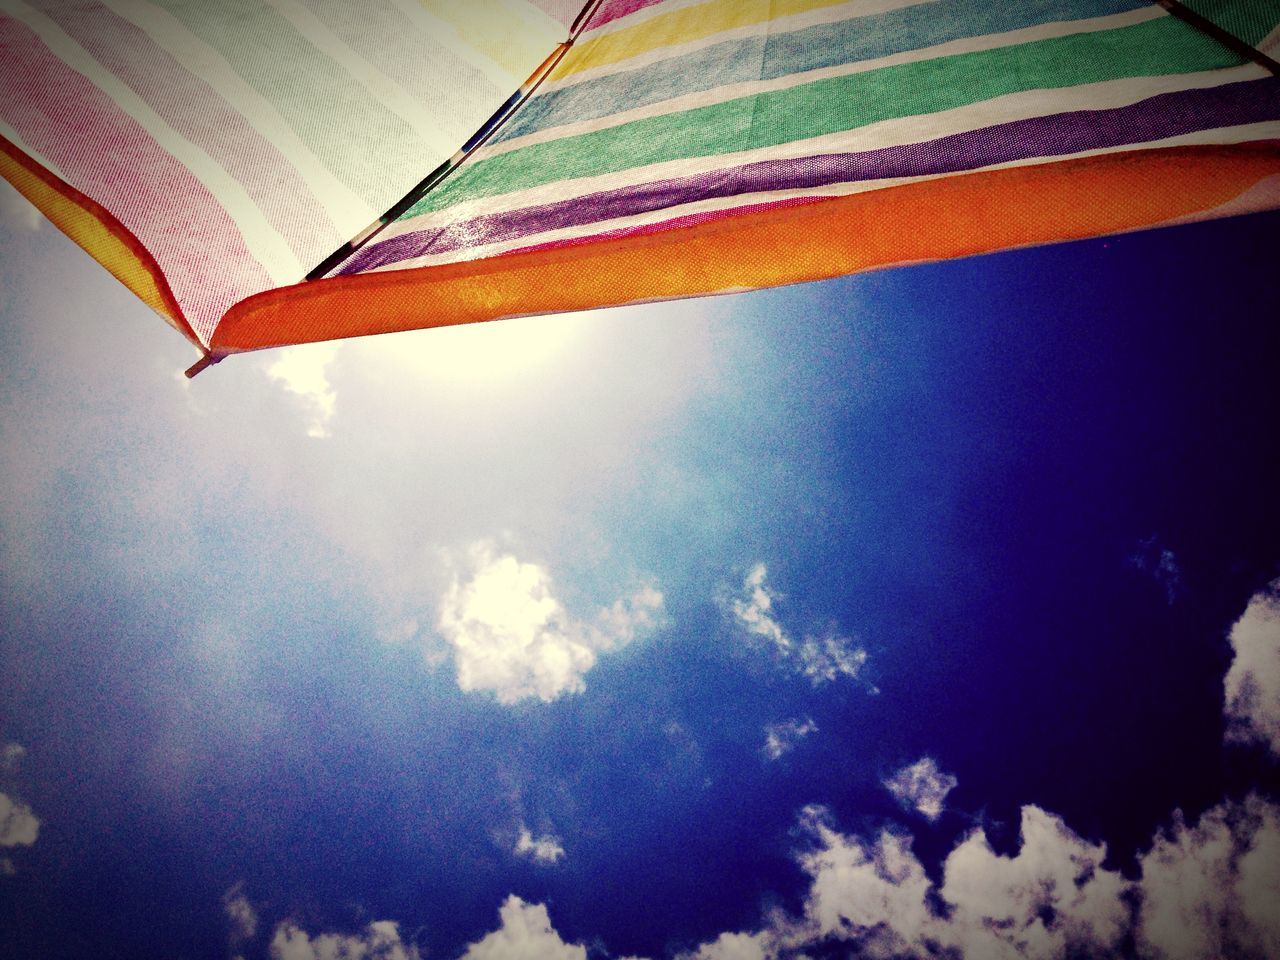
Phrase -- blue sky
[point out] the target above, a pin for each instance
(893, 615)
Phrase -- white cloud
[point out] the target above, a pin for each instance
(871, 893)
(1051, 899)
(240, 914)
(1205, 891)
(821, 659)
(780, 738)
(734, 946)
(525, 934)
(922, 787)
(512, 637)
(1252, 684)
(19, 827)
(545, 849)
(1212, 889)
(379, 941)
(303, 371)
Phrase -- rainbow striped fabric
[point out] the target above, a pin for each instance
(677, 148)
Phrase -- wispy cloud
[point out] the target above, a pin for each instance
(754, 610)
(380, 940)
(921, 787)
(525, 934)
(11, 755)
(1159, 563)
(829, 658)
(512, 637)
(821, 658)
(545, 849)
(241, 917)
(780, 738)
(1252, 684)
(303, 371)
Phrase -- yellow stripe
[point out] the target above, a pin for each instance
(682, 26)
(514, 34)
(91, 231)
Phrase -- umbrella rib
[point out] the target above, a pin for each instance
(478, 139)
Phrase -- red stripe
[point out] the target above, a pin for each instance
(105, 154)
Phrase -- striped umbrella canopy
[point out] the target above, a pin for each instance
(270, 172)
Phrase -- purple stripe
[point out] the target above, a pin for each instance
(1165, 115)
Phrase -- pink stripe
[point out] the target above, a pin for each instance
(105, 154)
(200, 114)
(612, 10)
(563, 10)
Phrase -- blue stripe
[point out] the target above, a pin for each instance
(493, 121)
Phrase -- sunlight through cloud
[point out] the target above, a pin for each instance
(303, 371)
(512, 637)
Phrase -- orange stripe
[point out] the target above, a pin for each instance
(931, 220)
(103, 236)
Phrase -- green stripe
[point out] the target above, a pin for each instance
(1153, 48)
(1250, 20)
(311, 90)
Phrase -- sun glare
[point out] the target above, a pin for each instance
(484, 352)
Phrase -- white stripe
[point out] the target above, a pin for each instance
(723, 94)
(379, 86)
(262, 239)
(444, 34)
(1223, 136)
(837, 13)
(343, 207)
(1011, 107)
(1270, 42)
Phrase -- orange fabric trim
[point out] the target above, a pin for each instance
(102, 236)
(931, 220)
